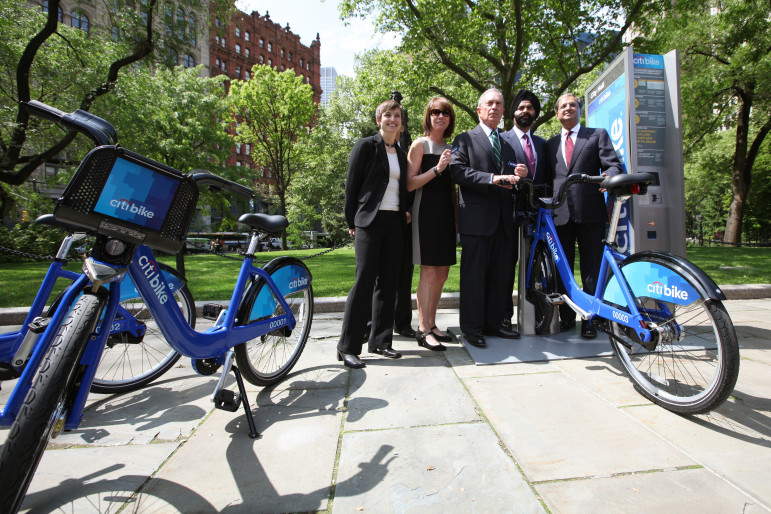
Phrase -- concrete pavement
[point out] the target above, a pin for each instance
(431, 432)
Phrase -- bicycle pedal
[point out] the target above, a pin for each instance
(554, 299)
(228, 400)
(211, 311)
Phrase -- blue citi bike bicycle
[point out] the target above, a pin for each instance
(663, 315)
(135, 205)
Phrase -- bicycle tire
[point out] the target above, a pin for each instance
(269, 358)
(542, 283)
(53, 389)
(695, 363)
(144, 361)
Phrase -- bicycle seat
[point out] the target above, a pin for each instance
(628, 184)
(265, 222)
(51, 221)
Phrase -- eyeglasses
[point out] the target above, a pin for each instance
(437, 112)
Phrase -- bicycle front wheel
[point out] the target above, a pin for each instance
(45, 406)
(269, 358)
(693, 364)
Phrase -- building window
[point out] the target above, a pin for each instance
(79, 20)
(223, 43)
(216, 22)
(270, 47)
(270, 62)
(308, 66)
(246, 35)
(247, 52)
(262, 43)
(60, 15)
(217, 39)
(283, 67)
(238, 148)
(262, 59)
(302, 63)
(189, 61)
(282, 53)
(238, 163)
(247, 149)
(247, 76)
(308, 80)
(290, 56)
(238, 71)
(238, 48)
(238, 31)
(192, 28)
(224, 66)
(181, 24)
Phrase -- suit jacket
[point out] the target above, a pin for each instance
(543, 172)
(481, 204)
(593, 154)
(368, 174)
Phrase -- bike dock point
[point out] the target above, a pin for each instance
(571, 432)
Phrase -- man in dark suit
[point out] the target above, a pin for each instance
(485, 169)
(530, 150)
(583, 217)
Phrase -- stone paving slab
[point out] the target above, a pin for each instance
(670, 491)
(558, 430)
(450, 468)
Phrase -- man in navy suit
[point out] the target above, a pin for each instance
(485, 169)
(530, 150)
(583, 217)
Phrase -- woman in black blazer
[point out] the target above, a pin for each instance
(376, 203)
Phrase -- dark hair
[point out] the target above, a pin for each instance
(439, 103)
(386, 106)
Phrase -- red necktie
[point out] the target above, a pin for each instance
(568, 148)
(529, 155)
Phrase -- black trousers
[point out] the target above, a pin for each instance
(379, 249)
(485, 281)
(590, 248)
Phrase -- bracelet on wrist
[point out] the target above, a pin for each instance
(436, 171)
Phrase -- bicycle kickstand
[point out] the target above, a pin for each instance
(228, 400)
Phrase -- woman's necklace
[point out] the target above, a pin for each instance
(392, 145)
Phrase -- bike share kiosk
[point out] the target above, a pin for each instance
(637, 100)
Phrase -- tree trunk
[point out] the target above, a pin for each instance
(740, 182)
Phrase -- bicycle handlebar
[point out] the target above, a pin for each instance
(618, 185)
(215, 182)
(100, 131)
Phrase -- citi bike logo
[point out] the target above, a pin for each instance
(552, 246)
(671, 292)
(154, 278)
(298, 282)
(129, 206)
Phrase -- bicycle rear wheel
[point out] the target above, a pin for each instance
(542, 283)
(46, 404)
(269, 358)
(694, 363)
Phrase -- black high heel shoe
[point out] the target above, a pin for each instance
(441, 339)
(421, 338)
(350, 360)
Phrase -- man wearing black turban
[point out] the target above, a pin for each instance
(530, 150)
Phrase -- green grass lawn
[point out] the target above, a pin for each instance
(211, 277)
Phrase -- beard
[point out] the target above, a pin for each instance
(524, 120)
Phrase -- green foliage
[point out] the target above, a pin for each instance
(172, 115)
(274, 110)
(26, 237)
(458, 49)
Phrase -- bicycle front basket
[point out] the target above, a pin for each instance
(130, 197)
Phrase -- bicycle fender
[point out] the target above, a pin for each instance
(704, 282)
(173, 278)
(290, 275)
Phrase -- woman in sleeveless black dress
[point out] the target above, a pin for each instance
(434, 215)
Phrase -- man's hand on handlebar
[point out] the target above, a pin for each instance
(506, 181)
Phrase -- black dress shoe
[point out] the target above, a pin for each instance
(475, 339)
(350, 360)
(567, 325)
(441, 339)
(502, 332)
(385, 352)
(587, 330)
(405, 331)
(421, 337)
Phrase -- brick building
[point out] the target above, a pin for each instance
(250, 39)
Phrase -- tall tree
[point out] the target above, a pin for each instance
(70, 68)
(273, 113)
(726, 81)
(460, 44)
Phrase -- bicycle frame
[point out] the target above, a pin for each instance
(586, 305)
